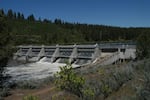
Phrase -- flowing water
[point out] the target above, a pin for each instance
(33, 71)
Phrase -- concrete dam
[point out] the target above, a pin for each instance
(106, 53)
(44, 61)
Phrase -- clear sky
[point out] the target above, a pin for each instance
(123, 13)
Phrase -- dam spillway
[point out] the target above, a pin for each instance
(75, 54)
(46, 60)
(59, 53)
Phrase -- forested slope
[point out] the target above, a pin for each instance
(32, 31)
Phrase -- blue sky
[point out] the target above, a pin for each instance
(123, 13)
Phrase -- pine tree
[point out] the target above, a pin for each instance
(10, 14)
(143, 45)
(15, 16)
(58, 21)
(22, 16)
(46, 21)
(18, 15)
(31, 17)
(2, 12)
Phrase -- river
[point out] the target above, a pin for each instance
(33, 71)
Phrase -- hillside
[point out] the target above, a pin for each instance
(126, 81)
(35, 32)
(28, 32)
(32, 31)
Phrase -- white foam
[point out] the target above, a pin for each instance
(36, 70)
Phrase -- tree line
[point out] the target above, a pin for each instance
(36, 31)
(20, 16)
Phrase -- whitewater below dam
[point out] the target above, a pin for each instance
(33, 71)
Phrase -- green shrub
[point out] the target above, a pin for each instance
(106, 90)
(30, 97)
(143, 45)
(101, 71)
(88, 94)
(68, 80)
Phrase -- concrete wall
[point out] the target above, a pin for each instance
(76, 53)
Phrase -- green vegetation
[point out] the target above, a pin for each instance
(143, 91)
(32, 31)
(88, 94)
(128, 81)
(143, 45)
(5, 39)
(69, 81)
(30, 97)
(92, 87)
(5, 53)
